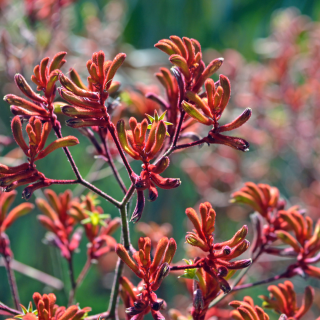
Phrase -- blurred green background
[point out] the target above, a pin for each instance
(113, 26)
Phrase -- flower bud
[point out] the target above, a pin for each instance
(198, 301)
(181, 63)
(124, 256)
(161, 274)
(26, 89)
(165, 183)
(195, 114)
(160, 250)
(171, 250)
(71, 86)
(124, 141)
(116, 63)
(68, 141)
(238, 122)
(212, 67)
(57, 61)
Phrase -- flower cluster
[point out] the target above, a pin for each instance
(98, 226)
(282, 299)
(56, 219)
(87, 107)
(140, 147)
(216, 267)
(247, 310)
(292, 227)
(45, 76)
(208, 106)
(152, 272)
(13, 177)
(46, 309)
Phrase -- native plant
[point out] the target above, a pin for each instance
(193, 100)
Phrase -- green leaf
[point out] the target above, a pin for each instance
(151, 119)
(162, 116)
(190, 273)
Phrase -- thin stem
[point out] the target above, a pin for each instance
(5, 308)
(72, 280)
(128, 195)
(190, 266)
(12, 282)
(188, 145)
(80, 278)
(112, 130)
(79, 177)
(111, 164)
(176, 136)
(100, 193)
(112, 314)
(53, 181)
(57, 130)
(126, 242)
(249, 285)
(237, 279)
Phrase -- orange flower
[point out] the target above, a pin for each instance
(152, 272)
(46, 309)
(282, 299)
(12, 177)
(87, 103)
(247, 310)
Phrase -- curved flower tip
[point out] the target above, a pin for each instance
(282, 299)
(247, 310)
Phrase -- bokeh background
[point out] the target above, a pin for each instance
(272, 58)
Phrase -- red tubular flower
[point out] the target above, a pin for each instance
(135, 143)
(98, 226)
(292, 227)
(282, 299)
(87, 102)
(45, 76)
(262, 197)
(208, 107)
(208, 111)
(46, 309)
(152, 272)
(217, 266)
(186, 55)
(56, 219)
(172, 91)
(12, 177)
(247, 310)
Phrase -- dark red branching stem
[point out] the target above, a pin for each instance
(5, 308)
(54, 181)
(80, 180)
(126, 242)
(191, 266)
(112, 130)
(250, 285)
(12, 282)
(80, 279)
(176, 136)
(57, 130)
(188, 145)
(71, 273)
(111, 164)
(112, 314)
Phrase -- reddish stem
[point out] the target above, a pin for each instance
(111, 163)
(250, 285)
(12, 282)
(188, 145)
(189, 266)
